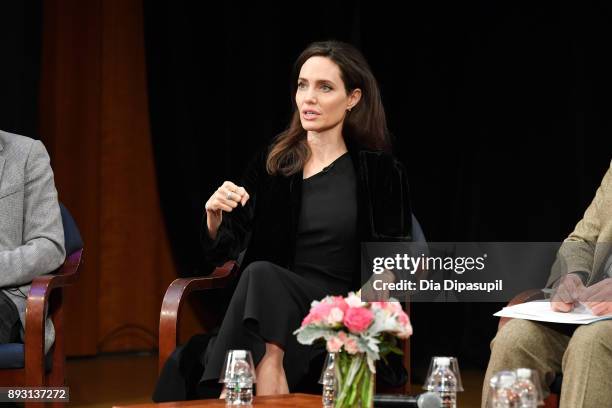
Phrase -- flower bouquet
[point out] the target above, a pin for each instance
(359, 333)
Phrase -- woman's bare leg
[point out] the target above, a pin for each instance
(271, 379)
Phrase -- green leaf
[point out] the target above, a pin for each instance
(396, 350)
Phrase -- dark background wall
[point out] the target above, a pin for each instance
(499, 110)
(20, 44)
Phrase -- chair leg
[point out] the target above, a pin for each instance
(56, 377)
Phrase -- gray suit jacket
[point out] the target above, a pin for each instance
(31, 232)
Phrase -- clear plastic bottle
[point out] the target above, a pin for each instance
(444, 383)
(525, 389)
(504, 393)
(231, 396)
(329, 386)
(239, 390)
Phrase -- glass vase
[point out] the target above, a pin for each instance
(354, 381)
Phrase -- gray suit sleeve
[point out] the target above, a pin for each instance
(43, 235)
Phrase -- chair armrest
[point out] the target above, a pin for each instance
(523, 297)
(176, 294)
(36, 304)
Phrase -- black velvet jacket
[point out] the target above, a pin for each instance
(271, 214)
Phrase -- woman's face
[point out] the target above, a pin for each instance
(321, 97)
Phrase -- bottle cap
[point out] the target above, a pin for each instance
(523, 373)
(506, 380)
(443, 361)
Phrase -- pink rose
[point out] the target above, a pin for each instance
(403, 319)
(351, 347)
(318, 314)
(340, 303)
(322, 309)
(406, 327)
(334, 344)
(358, 319)
(307, 320)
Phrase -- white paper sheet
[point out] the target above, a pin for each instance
(542, 312)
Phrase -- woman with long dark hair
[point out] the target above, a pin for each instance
(306, 202)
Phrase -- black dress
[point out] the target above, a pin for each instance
(270, 301)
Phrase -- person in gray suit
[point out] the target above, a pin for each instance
(31, 232)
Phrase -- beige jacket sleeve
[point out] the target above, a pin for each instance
(577, 252)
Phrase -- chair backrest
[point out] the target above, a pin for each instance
(72, 236)
(12, 355)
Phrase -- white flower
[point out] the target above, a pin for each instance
(354, 301)
(335, 316)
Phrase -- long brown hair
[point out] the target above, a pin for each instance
(365, 124)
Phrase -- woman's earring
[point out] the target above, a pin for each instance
(349, 109)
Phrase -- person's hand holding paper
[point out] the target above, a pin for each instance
(598, 297)
(568, 292)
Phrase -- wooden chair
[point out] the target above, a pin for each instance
(176, 296)
(552, 401)
(26, 364)
(179, 290)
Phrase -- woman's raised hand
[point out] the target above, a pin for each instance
(226, 198)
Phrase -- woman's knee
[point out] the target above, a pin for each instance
(262, 269)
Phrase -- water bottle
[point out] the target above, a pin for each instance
(328, 381)
(503, 392)
(444, 383)
(231, 396)
(240, 386)
(429, 400)
(329, 386)
(525, 389)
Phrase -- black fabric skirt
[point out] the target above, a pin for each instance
(268, 305)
